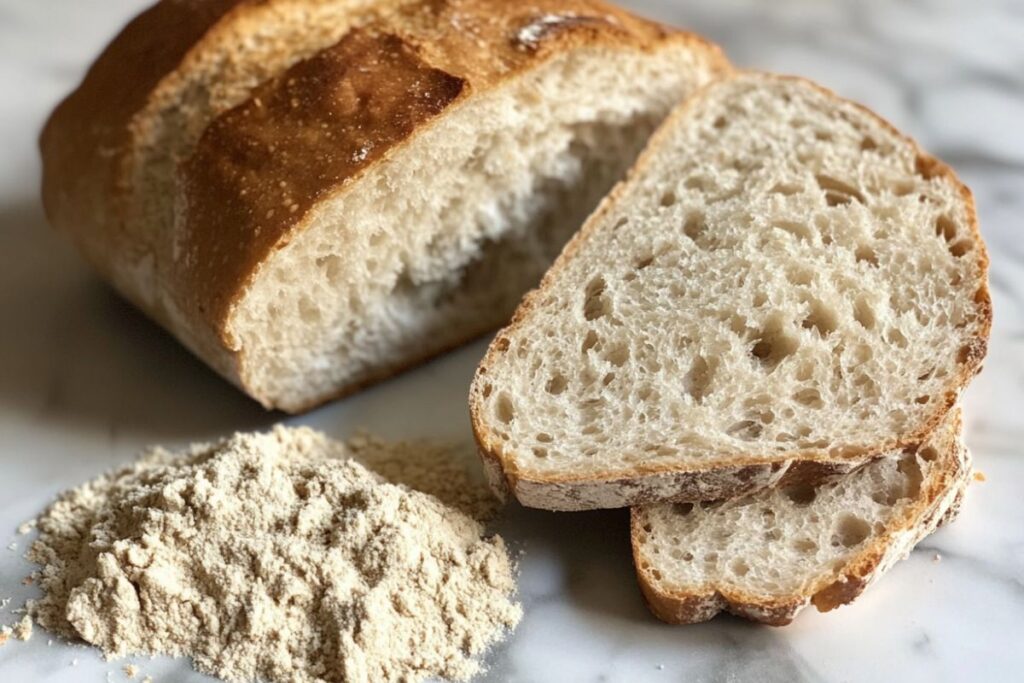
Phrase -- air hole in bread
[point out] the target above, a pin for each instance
(332, 268)
(697, 381)
(745, 430)
(865, 253)
(810, 398)
(669, 199)
(617, 355)
(694, 226)
(556, 384)
(821, 318)
(787, 189)
(595, 303)
(895, 337)
(850, 531)
(720, 123)
(739, 567)
(910, 468)
(960, 247)
(868, 143)
(922, 400)
(488, 388)
(643, 261)
(544, 437)
(504, 409)
(621, 223)
(773, 344)
(799, 230)
(864, 314)
(800, 494)
(309, 312)
(502, 344)
(682, 509)
(945, 228)
(699, 183)
(838, 193)
(608, 379)
(799, 275)
(805, 546)
(539, 452)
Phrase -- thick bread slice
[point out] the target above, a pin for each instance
(111, 148)
(392, 195)
(768, 555)
(784, 289)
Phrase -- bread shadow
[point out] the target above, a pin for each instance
(74, 354)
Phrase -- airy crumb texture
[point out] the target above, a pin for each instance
(273, 557)
(768, 555)
(784, 277)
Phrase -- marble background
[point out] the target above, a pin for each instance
(85, 381)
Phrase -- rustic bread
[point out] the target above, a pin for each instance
(377, 201)
(784, 289)
(768, 555)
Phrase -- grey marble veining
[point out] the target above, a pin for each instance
(85, 380)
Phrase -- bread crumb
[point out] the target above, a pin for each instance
(131, 671)
(26, 527)
(5, 634)
(979, 476)
(147, 679)
(12, 546)
(27, 581)
(936, 558)
(23, 629)
(74, 662)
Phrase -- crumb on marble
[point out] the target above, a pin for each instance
(936, 558)
(980, 476)
(27, 581)
(23, 629)
(147, 679)
(12, 546)
(26, 527)
(5, 634)
(131, 671)
(74, 662)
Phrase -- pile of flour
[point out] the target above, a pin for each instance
(273, 557)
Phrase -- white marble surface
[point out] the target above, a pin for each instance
(85, 381)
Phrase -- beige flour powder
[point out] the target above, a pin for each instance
(273, 557)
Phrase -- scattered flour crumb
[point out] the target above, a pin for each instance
(23, 629)
(5, 634)
(12, 546)
(979, 476)
(937, 558)
(131, 671)
(74, 662)
(26, 527)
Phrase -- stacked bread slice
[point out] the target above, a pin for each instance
(777, 312)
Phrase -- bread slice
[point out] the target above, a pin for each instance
(768, 555)
(784, 289)
(385, 197)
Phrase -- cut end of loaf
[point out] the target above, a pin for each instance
(766, 556)
(444, 234)
(783, 278)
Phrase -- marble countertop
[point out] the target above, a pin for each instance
(85, 381)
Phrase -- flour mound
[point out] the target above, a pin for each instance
(273, 557)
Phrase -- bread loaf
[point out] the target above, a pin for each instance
(313, 195)
(784, 289)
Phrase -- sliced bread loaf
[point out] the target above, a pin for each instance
(768, 555)
(784, 289)
(383, 198)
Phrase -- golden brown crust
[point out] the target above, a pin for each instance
(627, 488)
(841, 586)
